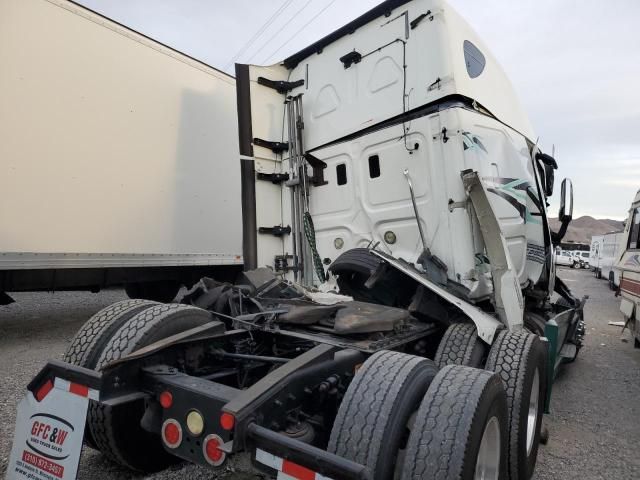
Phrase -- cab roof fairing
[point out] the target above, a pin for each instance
(491, 89)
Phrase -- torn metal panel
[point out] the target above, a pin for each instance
(486, 324)
(508, 296)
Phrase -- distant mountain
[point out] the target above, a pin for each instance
(581, 229)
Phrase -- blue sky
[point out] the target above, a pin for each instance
(574, 65)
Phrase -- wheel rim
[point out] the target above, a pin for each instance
(532, 416)
(488, 461)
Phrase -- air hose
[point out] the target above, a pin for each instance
(310, 233)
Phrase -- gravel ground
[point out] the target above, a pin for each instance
(594, 425)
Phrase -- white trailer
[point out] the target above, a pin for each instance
(119, 157)
(594, 252)
(610, 249)
(629, 267)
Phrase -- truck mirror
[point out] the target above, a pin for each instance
(548, 164)
(566, 210)
(566, 201)
(548, 180)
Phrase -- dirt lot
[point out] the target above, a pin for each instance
(594, 425)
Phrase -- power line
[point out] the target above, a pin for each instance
(298, 31)
(277, 32)
(259, 32)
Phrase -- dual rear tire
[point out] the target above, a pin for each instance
(111, 334)
(90, 340)
(404, 419)
(519, 358)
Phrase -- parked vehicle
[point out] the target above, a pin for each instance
(610, 250)
(356, 334)
(110, 164)
(564, 258)
(629, 268)
(594, 253)
(580, 259)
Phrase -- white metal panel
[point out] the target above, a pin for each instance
(401, 69)
(492, 88)
(340, 100)
(110, 142)
(360, 212)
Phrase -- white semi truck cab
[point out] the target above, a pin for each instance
(380, 133)
(394, 318)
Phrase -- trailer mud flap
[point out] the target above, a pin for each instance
(287, 470)
(291, 459)
(49, 430)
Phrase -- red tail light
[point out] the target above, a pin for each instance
(166, 399)
(171, 433)
(211, 450)
(227, 421)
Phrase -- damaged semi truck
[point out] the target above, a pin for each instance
(395, 318)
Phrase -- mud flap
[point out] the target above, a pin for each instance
(49, 430)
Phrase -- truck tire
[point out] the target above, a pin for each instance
(460, 345)
(352, 269)
(359, 260)
(116, 430)
(87, 344)
(612, 281)
(89, 341)
(460, 430)
(519, 358)
(164, 291)
(372, 420)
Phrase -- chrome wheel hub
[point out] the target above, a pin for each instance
(532, 416)
(488, 461)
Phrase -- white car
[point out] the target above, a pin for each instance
(583, 258)
(564, 258)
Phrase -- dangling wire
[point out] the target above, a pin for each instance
(310, 233)
(277, 32)
(259, 32)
